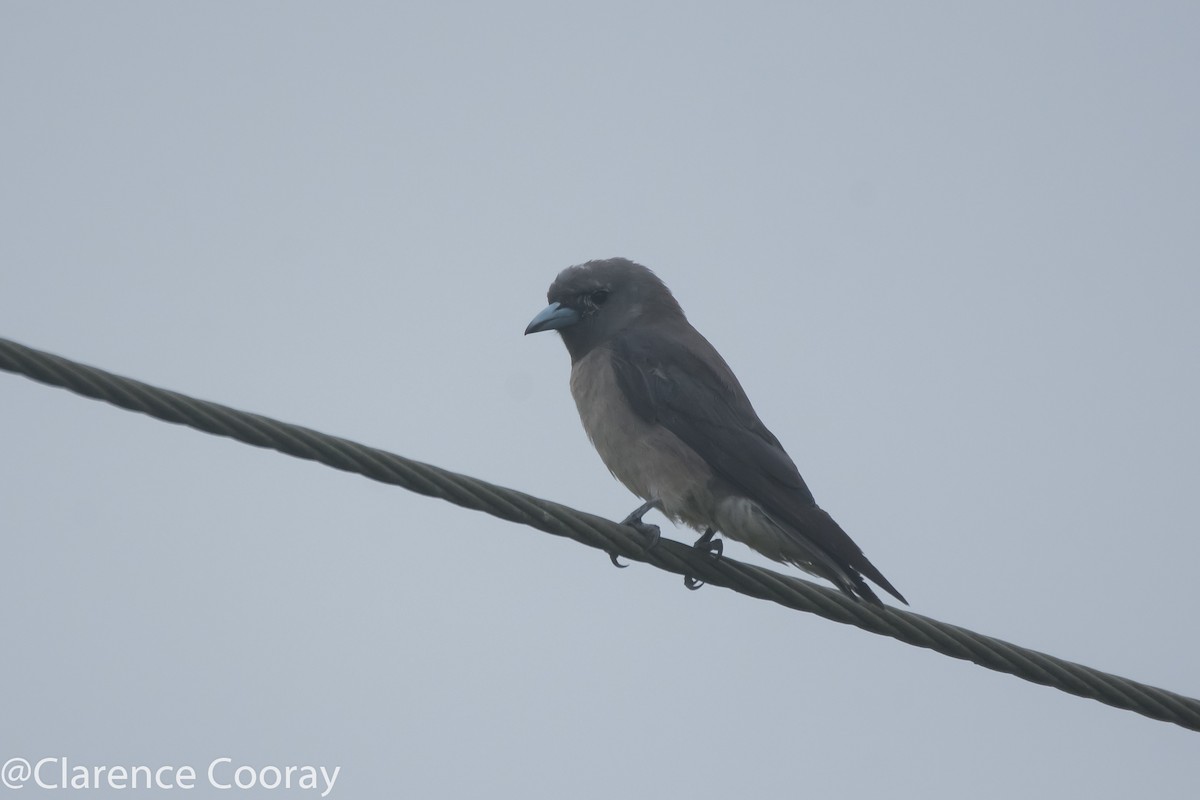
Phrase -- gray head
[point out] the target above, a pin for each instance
(590, 303)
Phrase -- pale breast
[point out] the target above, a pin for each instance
(650, 460)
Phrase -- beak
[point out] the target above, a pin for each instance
(552, 317)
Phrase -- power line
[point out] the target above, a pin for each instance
(600, 533)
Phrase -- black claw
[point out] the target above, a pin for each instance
(715, 547)
(650, 532)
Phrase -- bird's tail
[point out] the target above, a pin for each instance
(837, 558)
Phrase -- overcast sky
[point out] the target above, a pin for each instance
(951, 251)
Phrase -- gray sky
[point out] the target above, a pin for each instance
(950, 251)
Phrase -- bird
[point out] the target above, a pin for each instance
(673, 424)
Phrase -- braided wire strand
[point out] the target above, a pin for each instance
(588, 529)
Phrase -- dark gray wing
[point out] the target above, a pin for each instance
(672, 375)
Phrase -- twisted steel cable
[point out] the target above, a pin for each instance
(600, 533)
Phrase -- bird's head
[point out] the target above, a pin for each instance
(590, 303)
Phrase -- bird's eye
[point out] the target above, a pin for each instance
(599, 297)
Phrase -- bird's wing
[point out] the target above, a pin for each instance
(675, 378)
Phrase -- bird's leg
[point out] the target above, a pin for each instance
(707, 543)
(634, 520)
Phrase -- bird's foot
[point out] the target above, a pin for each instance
(651, 532)
(714, 547)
